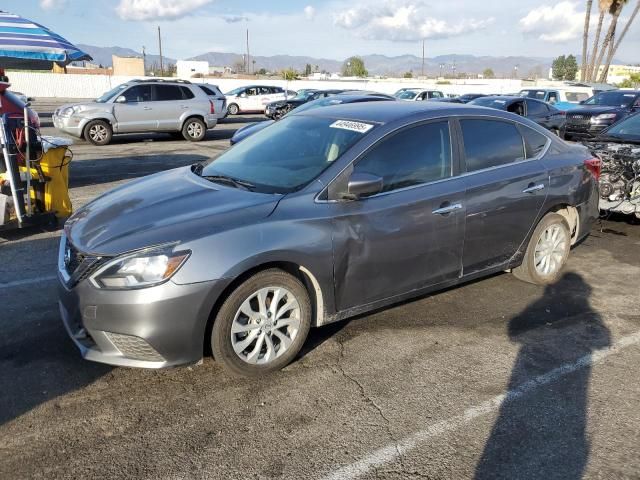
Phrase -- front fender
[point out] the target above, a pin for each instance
(98, 115)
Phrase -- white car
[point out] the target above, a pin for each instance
(561, 98)
(253, 98)
(418, 94)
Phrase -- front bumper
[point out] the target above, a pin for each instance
(585, 131)
(70, 125)
(153, 327)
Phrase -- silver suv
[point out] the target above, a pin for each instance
(139, 106)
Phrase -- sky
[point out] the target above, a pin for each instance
(334, 29)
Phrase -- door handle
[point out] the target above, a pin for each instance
(185, 107)
(147, 108)
(533, 188)
(445, 209)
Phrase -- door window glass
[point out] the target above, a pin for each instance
(536, 108)
(534, 141)
(168, 93)
(490, 143)
(138, 93)
(414, 156)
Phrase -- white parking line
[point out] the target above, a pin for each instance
(29, 281)
(390, 453)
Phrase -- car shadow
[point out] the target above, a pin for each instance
(243, 119)
(543, 434)
(112, 169)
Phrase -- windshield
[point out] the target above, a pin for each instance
(538, 94)
(289, 154)
(111, 93)
(407, 95)
(236, 91)
(612, 99)
(321, 102)
(489, 102)
(628, 127)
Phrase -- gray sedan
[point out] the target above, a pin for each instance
(327, 214)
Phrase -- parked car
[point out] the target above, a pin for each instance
(277, 109)
(214, 93)
(600, 111)
(418, 95)
(618, 146)
(561, 98)
(139, 106)
(328, 213)
(538, 111)
(254, 98)
(251, 128)
(464, 98)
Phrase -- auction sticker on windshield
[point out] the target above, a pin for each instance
(353, 126)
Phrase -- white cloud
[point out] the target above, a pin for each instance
(554, 23)
(309, 12)
(157, 9)
(403, 21)
(52, 4)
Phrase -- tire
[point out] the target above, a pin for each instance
(98, 132)
(194, 130)
(233, 109)
(254, 349)
(547, 251)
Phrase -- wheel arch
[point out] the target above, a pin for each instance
(571, 215)
(300, 272)
(189, 116)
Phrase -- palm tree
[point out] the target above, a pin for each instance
(605, 6)
(585, 39)
(613, 48)
(615, 11)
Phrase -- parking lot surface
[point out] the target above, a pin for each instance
(494, 379)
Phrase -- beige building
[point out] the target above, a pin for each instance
(128, 66)
(617, 73)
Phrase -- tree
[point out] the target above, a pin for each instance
(488, 73)
(615, 11)
(570, 68)
(558, 70)
(632, 82)
(408, 75)
(604, 6)
(613, 48)
(354, 67)
(585, 39)
(262, 71)
(289, 74)
(307, 70)
(316, 68)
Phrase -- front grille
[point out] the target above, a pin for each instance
(134, 348)
(79, 265)
(578, 119)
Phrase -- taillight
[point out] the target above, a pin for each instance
(594, 165)
(213, 107)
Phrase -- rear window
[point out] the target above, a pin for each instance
(491, 143)
(207, 90)
(576, 96)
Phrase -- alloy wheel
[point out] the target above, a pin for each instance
(550, 250)
(265, 325)
(98, 133)
(194, 130)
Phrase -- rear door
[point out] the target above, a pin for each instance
(136, 114)
(410, 235)
(539, 112)
(169, 103)
(506, 186)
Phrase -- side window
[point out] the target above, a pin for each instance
(138, 93)
(534, 142)
(517, 108)
(265, 91)
(437, 95)
(207, 90)
(186, 93)
(251, 91)
(536, 108)
(553, 98)
(490, 143)
(416, 155)
(167, 93)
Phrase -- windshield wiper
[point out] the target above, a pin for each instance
(230, 181)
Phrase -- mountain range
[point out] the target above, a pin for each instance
(375, 64)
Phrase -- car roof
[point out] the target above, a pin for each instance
(389, 111)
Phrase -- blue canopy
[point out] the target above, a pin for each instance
(26, 44)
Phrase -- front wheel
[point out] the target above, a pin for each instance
(263, 324)
(547, 251)
(98, 132)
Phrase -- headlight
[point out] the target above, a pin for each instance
(603, 116)
(66, 112)
(139, 270)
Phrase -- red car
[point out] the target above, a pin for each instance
(12, 104)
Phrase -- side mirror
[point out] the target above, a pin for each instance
(121, 99)
(363, 185)
(30, 99)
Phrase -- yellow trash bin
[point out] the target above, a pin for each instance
(55, 165)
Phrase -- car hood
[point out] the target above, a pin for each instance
(595, 109)
(172, 206)
(87, 107)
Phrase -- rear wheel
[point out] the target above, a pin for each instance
(547, 251)
(263, 324)
(98, 132)
(233, 109)
(194, 129)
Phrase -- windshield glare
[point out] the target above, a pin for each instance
(612, 99)
(630, 126)
(110, 94)
(235, 91)
(407, 95)
(489, 102)
(287, 155)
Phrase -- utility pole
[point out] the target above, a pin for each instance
(144, 60)
(248, 55)
(423, 58)
(160, 48)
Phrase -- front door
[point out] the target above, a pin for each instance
(408, 236)
(136, 114)
(505, 191)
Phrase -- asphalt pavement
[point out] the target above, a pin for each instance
(494, 379)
